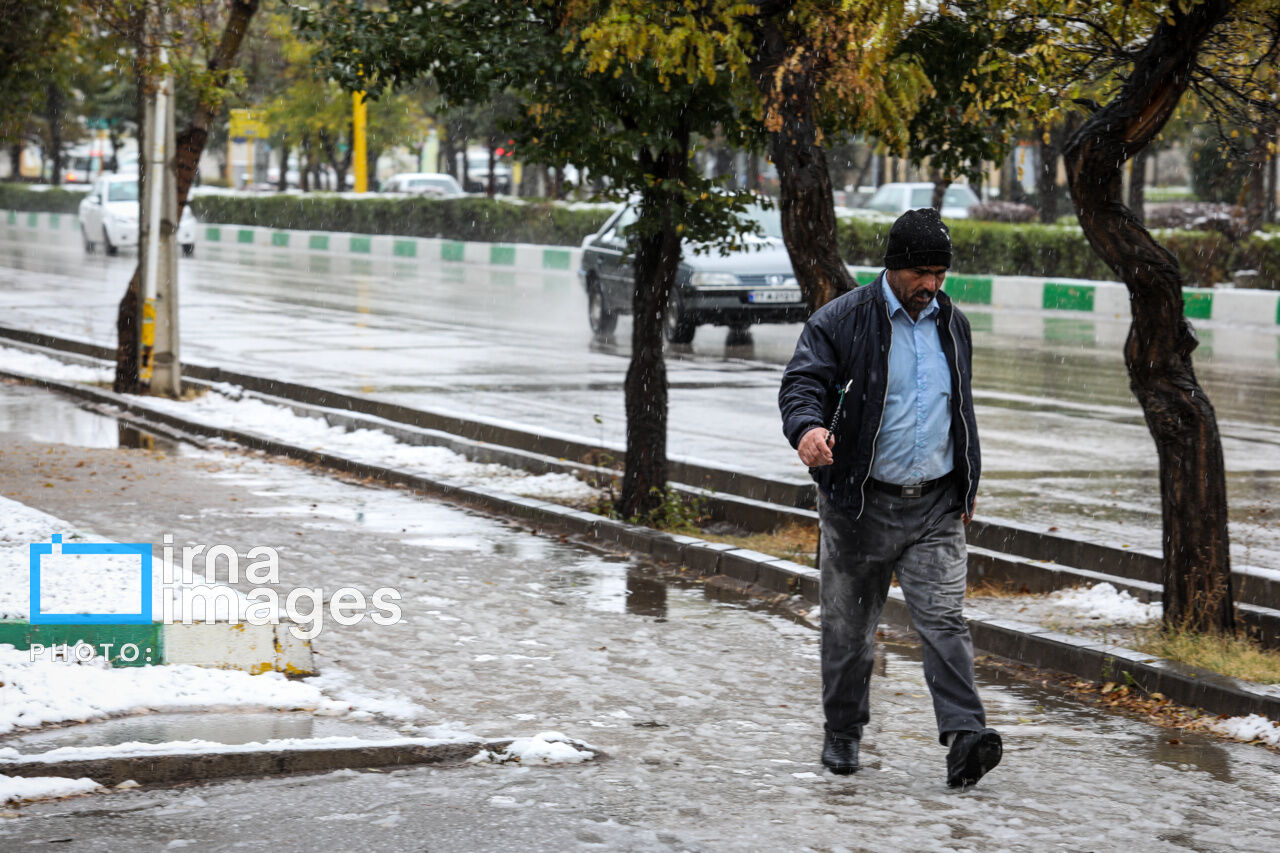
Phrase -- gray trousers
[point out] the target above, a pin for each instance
(922, 541)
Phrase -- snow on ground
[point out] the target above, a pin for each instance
(1105, 604)
(196, 746)
(43, 691)
(14, 789)
(1250, 728)
(81, 583)
(227, 407)
(543, 748)
(1099, 606)
(35, 364)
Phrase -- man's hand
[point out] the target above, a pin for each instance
(968, 518)
(815, 447)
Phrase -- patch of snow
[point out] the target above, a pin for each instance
(35, 364)
(15, 789)
(1104, 603)
(197, 746)
(1250, 728)
(228, 408)
(43, 691)
(542, 748)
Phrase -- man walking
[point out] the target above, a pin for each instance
(876, 401)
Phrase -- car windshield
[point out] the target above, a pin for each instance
(122, 191)
(921, 197)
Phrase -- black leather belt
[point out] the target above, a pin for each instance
(916, 490)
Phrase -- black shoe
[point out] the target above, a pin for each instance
(840, 754)
(972, 755)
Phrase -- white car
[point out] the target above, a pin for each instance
(896, 199)
(109, 215)
(436, 184)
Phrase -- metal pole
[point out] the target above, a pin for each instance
(153, 192)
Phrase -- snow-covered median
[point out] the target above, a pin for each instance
(228, 407)
(35, 364)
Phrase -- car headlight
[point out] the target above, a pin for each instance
(791, 282)
(701, 279)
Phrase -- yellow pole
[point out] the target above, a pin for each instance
(358, 150)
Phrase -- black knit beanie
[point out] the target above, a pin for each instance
(918, 238)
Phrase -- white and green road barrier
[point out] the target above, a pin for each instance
(1072, 297)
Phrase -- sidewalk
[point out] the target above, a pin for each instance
(707, 710)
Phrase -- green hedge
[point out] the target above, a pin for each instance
(24, 198)
(993, 248)
(480, 220)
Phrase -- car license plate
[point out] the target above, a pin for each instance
(781, 294)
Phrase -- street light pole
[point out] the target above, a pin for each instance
(159, 368)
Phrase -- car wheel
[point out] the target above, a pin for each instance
(603, 321)
(89, 246)
(188, 249)
(107, 245)
(676, 327)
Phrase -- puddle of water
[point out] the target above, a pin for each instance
(49, 417)
(228, 728)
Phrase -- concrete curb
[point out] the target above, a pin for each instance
(172, 768)
(1028, 644)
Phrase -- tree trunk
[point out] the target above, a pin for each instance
(787, 76)
(1138, 186)
(940, 184)
(15, 161)
(189, 145)
(656, 260)
(492, 179)
(1264, 135)
(1047, 177)
(1197, 558)
(282, 183)
(753, 172)
(53, 104)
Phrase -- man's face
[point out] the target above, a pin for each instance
(915, 287)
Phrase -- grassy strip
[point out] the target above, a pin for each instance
(1238, 657)
(795, 542)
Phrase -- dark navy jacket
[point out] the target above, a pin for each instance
(849, 338)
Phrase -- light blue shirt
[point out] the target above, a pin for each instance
(914, 444)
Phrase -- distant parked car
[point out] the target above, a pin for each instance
(109, 214)
(424, 183)
(752, 285)
(895, 199)
(478, 174)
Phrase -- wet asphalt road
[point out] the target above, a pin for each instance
(707, 710)
(1064, 443)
